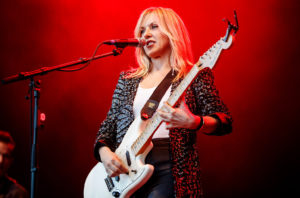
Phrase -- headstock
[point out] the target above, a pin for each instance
(210, 57)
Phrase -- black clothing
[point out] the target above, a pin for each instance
(9, 188)
(161, 183)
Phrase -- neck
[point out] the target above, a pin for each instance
(161, 64)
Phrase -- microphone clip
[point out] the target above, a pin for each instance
(118, 50)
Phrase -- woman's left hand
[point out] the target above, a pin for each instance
(180, 117)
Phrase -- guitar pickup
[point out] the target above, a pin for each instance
(109, 183)
(128, 158)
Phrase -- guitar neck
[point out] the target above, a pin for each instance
(156, 119)
(208, 59)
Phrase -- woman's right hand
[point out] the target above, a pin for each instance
(111, 162)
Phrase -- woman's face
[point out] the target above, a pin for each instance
(157, 43)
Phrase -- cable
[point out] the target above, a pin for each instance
(84, 66)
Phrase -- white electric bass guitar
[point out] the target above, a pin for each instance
(136, 143)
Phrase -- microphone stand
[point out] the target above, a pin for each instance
(34, 89)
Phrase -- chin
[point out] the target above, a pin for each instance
(153, 55)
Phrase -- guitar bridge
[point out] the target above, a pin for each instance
(109, 183)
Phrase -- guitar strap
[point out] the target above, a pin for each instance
(153, 102)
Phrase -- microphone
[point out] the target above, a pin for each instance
(126, 42)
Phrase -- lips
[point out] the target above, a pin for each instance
(150, 43)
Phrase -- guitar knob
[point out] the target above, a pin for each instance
(116, 194)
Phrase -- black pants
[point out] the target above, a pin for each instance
(160, 185)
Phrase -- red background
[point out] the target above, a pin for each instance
(257, 79)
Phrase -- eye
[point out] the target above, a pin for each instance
(142, 31)
(154, 26)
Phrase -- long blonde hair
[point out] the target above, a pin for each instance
(173, 27)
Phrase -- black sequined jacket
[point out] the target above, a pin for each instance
(201, 97)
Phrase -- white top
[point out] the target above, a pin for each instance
(141, 97)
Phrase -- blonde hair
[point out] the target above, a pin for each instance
(173, 27)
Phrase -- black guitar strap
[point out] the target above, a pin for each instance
(153, 102)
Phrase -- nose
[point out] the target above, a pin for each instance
(147, 33)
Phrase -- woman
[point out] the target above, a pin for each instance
(174, 155)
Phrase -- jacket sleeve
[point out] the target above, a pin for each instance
(106, 135)
(209, 102)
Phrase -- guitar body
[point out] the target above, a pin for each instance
(98, 184)
(96, 187)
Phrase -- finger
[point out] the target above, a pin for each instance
(124, 169)
(169, 108)
(114, 171)
(163, 115)
(112, 168)
(165, 108)
(121, 168)
(170, 126)
(109, 172)
(182, 104)
(114, 174)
